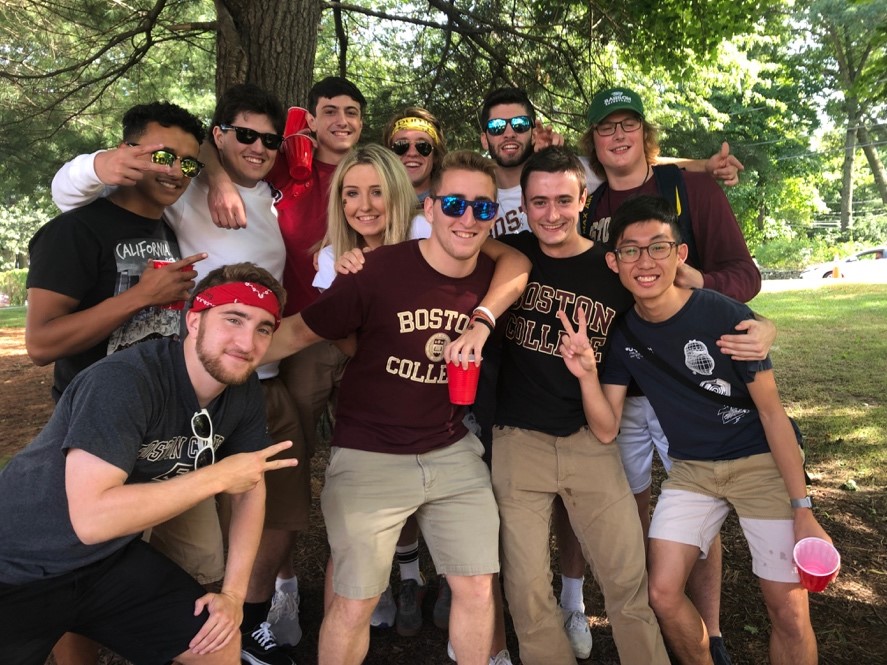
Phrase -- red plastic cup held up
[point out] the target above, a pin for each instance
(463, 382)
(299, 150)
(818, 563)
(296, 120)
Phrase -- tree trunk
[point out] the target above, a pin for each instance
(875, 163)
(847, 171)
(270, 43)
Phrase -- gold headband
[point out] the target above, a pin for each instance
(417, 124)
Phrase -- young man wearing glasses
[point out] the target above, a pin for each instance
(126, 449)
(247, 131)
(395, 426)
(622, 148)
(731, 441)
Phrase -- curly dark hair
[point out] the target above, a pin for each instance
(165, 114)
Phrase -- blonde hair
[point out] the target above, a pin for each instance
(397, 192)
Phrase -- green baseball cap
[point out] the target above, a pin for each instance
(611, 100)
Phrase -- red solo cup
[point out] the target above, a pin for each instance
(177, 304)
(818, 563)
(299, 149)
(463, 382)
(295, 120)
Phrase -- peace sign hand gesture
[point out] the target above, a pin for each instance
(575, 347)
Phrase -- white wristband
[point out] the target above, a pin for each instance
(486, 312)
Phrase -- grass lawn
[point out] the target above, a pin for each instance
(830, 359)
(12, 317)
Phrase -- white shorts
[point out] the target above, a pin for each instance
(639, 435)
(697, 496)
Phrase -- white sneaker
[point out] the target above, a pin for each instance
(284, 617)
(501, 658)
(576, 625)
(385, 612)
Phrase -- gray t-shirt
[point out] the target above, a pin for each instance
(133, 409)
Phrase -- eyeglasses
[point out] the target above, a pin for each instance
(455, 206)
(190, 166)
(248, 136)
(609, 128)
(521, 124)
(202, 428)
(632, 253)
(402, 147)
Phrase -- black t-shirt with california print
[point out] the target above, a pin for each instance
(94, 253)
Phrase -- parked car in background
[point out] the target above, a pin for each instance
(4, 300)
(869, 265)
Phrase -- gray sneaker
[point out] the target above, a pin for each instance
(442, 604)
(576, 625)
(409, 608)
(385, 611)
(284, 617)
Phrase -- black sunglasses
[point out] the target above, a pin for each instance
(455, 206)
(202, 428)
(402, 147)
(521, 124)
(248, 136)
(190, 166)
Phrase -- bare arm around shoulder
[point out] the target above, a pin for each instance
(225, 203)
(508, 283)
(602, 405)
(102, 507)
(786, 452)
(54, 330)
(292, 336)
(88, 177)
(722, 165)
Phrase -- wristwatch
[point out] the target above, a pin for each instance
(806, 502)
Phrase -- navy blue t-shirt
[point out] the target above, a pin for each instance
(697, 427)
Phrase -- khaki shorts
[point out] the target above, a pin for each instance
(193, 540)
(697, 496)
(368, 497)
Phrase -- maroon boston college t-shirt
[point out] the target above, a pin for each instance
(393, 397)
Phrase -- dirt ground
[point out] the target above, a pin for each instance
(850, 617)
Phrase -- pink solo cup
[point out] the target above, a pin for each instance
(463, 382)
(818, 563)
(177, 304)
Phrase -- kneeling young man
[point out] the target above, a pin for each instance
(738, 450)
(136, 439)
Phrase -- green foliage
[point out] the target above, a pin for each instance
(19, 221)
(12, 284)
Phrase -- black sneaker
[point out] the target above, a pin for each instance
(442, 604)
(718, 650)
(259, 648)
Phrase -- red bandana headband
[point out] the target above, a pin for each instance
(243, 293)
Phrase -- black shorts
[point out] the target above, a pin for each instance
(136, 602)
